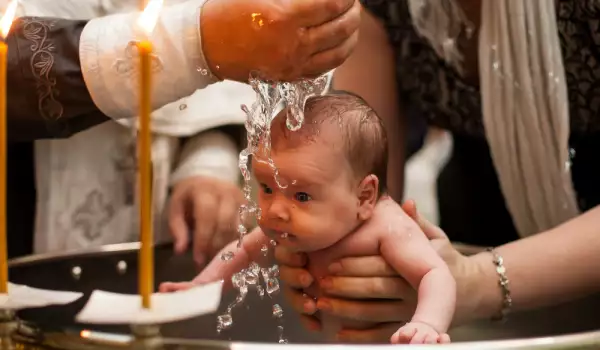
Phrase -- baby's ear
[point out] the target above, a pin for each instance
(368, 191)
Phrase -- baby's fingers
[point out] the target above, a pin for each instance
(169, 287)
(420, 337)
(444, 339)
(403, 335)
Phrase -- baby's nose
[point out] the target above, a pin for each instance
(278, 210)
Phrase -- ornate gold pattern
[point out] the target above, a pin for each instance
(37, 31)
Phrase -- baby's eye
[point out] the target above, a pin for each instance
(302, 197)
(266, 189)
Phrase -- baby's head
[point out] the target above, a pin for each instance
(332, 172)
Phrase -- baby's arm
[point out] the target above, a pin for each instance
(409, 252)
(218, 269)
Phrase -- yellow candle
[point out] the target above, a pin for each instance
(5, 24)
(3, 238)
(146, 258)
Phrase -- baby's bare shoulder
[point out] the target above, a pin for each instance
(360, 242)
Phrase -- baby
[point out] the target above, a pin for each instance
(332, 174)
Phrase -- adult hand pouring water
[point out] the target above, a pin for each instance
(283, 39)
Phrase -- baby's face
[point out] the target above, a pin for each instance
(317, 204)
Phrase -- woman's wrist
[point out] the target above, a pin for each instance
(482, 290)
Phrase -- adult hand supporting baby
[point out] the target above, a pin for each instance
(208, 207)
(368, 289)
(283, 39)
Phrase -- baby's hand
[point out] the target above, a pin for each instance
(419, 333)
(169, 287)
(218, 269)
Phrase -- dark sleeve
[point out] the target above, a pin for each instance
(380, 8)
(46, 94)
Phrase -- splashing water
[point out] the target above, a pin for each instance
(270, 98)
(250, 277)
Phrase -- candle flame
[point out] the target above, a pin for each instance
(149, 16)
(7, 19)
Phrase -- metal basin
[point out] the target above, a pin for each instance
(114, 268)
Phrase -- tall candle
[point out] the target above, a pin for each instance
(3, 238)
(146, 22)
(5, 24)
(146, 282)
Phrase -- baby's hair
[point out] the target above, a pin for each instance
(363, 132)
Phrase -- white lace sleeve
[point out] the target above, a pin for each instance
(212, 153)
(108, 59)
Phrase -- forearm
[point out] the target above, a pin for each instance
(108, 59)
(46, 93)
(218, 269)
(437, 299)
(546, 269)
(377, 85)
(211, 153)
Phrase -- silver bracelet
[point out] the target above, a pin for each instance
(503, 282)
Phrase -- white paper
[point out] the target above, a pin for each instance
(24, 297)
(113, 308)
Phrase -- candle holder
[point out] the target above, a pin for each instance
(8, 327)
(146, 337)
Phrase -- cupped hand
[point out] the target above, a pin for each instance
(365, 288)
(208, 208)
(282, 39)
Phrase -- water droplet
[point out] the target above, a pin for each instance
(265, 274)
(274, 271)
(264, 249)
(238, 280)
(242, 229)
(251, 278)
(227, 256)
(202, 71)
(277, 311)
(254, 267)
(272, 286)
(261, 291)
(273, 243)
(224, 321)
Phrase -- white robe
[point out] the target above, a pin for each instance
(85, 184)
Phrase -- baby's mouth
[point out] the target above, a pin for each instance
(280, 235)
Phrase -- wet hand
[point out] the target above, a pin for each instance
(208, 208)
(419, 333)
(282, 39)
